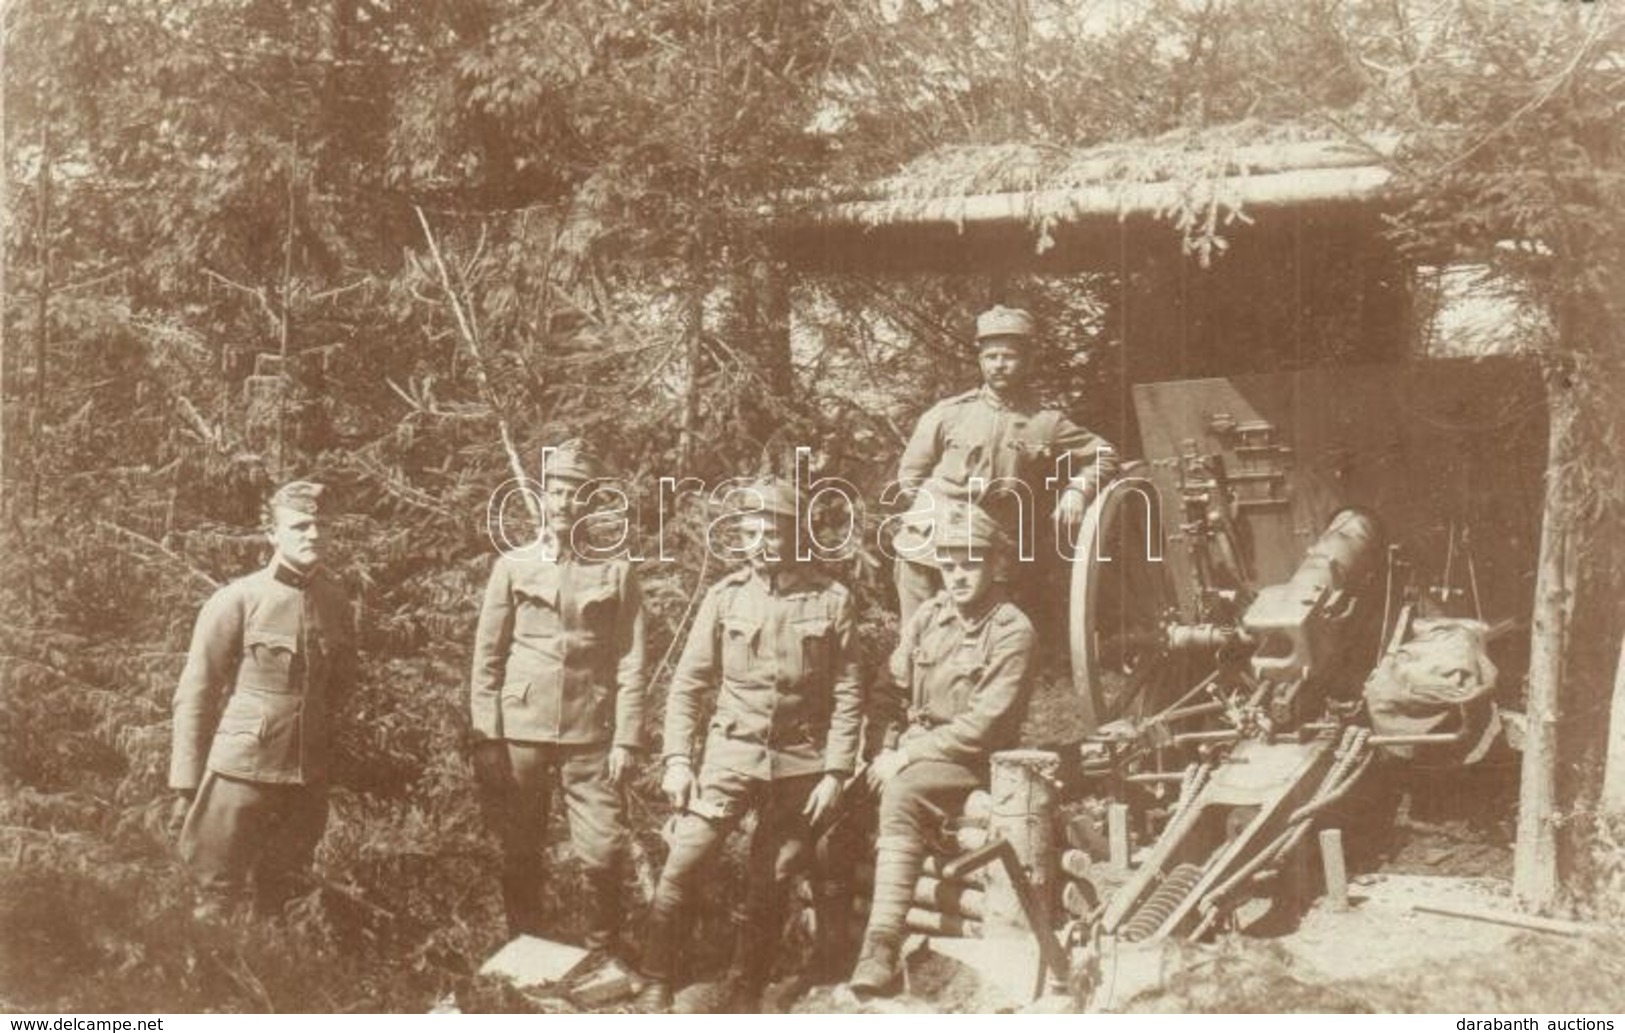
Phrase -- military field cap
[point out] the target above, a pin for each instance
(999, 321)
(572, 461)
(299, 496)
(961, 525)
(766, 495)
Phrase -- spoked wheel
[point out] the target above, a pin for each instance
(1121, 596)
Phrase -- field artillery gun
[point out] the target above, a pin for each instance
(1257, 773)
(1231, 599)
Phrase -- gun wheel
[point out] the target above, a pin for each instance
(1121, 594)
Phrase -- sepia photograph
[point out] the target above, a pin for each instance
(860, 507)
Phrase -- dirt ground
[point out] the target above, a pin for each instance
(1414, 836)
(1418, 836)
(1378, 956)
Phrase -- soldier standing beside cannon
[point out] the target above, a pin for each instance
(272, 656)
(775, 642)
(557, 691)
(963, 669)
(995, 446)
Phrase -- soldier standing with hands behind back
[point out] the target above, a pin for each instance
(557, 691)
(272, 656)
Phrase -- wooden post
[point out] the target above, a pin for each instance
(1023, 814)
(1613, 776)
(1335, 869)
(1534, 862)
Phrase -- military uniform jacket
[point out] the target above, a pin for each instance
(559, 653)
(976, 435)
(783, 663)
(965, 686)
(271, 655)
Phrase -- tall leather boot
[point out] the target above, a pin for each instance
(603, 915)
(522, 896)
(739, 991)
(658, 962)
(755, 950)
(898, 860)
(833, 954)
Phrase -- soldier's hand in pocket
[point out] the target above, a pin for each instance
(178, 811)
(822, 799)
(678, 784)
(619, 765)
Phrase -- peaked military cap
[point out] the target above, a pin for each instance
(960, 525)
(572, 461)
(300, 496)
(999, 321)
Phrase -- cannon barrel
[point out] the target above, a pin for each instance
(1282, 618)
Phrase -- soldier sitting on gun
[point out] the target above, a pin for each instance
(774, 641)
(964, 669)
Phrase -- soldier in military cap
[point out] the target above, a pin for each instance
(963, 671)
(774, 642)
(272, 657)
(978, 446)
(557, 692)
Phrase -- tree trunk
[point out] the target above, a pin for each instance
(1535, 870)
(694, 328)
(772, 289)
(42, 319)
(286, 313)
(1613, 777)
(758, 328)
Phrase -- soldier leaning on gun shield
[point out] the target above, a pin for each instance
(557, 691)
(963, 673)
(272, 657)
(980, 446)
(774, 641)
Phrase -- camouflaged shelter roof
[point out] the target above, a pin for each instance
(1199, 183)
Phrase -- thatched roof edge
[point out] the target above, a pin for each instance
(1199, 181)
(1220, 200)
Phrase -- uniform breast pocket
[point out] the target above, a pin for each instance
(272, 655)
(738, 645)
(817, 640)
(536, 611)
